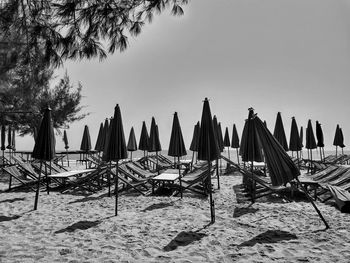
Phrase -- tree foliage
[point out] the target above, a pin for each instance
(77, 29)
(31, 96)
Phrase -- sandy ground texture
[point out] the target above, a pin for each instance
(73, 228)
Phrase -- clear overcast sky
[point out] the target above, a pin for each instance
(291, 56)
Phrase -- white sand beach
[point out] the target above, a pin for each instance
(73, 228)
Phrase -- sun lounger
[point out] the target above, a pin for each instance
(341, 197)
(129, 180)
(23, 181)
(139, 171)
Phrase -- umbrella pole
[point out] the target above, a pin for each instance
(192, 160)
(38, 188)
(342, 151)
(237, 155)
(298, 160)
(178, 159)
(336, 151)
(47, 178)
(217, 172)
(323, 154)
(116, 189)
(311, 160)
(157, 162)
(313, 204)
(67, 157)
(131, 156)
(253, 182)
(320, 153)
(109, 178)
(211, 201)
(228, 150)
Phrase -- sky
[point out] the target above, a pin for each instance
(290, 56)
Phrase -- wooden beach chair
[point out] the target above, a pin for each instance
(23, 182)
(341, 197)
(137, 169)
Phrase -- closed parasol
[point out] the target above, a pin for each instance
(235, 141)
(132, 145)
(279, 132)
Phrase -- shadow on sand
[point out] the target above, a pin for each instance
(82, 225)
(8, 218)
(184, 238)
(157, 206)
(270, 236)
(240, 211)
(12, 200)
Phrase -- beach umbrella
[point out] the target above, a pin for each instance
(66, 146)
(144, 139)
(282, 169)
(9, 138)
(35, 133)
(227, 142)
(105, 135)
(310, 140)
(195, 140)
(337, 140)
(243, 137)
(98, 146)
(132, 145)
(294, 140)
(154, 143)
(116, 147)
(85, 145)
(279, 132)
(251, 146)
(44, 148)
(341, 140)
(177, 146)
(235, 141)
(208, 149)
(320, 139)
(3, 139)
(220, 138)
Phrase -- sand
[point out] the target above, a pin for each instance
(75, 228)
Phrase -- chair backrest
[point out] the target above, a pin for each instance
(13, 170)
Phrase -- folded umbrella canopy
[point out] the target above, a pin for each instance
(116, 148)
(279, 132)
(44, 148)
(320, 140)
(104, 139)
(195, 140)
(301, 134)
(294, 140)
(9, 138)
(66, 146)
(208, 149)
(13, 140)
(98, 146)
(235, 141)
(3, 138)
(144, 139)
(310, 140)
(220, 138)
(282, 169)
(154, 142)
(132, 145)
(85, 145)
(227, 142)
(177, 146)
(337, 140)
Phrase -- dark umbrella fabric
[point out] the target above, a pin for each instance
(9, 138)
(177, 146)
(310, 137)
(252, 150)
(294, 140)
(98, 146)
(104, 139)
(132, 144)
(320, 139)
(235, 141)
(144, 139)
(44, 148)
(279, 132)
(342, 145)
(3, 137)
(13, 140)
(116, 148)
(65, 140)
(220, 138)
(216, 132)
(154, 143)
(227, 142)
(281, 167)
(301, 136)
(195, 138)
(85, 145)
(208, 149)
(243, 137)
